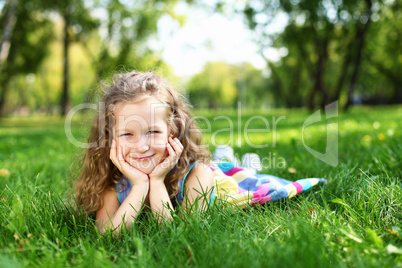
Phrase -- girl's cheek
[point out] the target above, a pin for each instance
(166, 154)
(129, 142)
(125, 145)
(159, 142)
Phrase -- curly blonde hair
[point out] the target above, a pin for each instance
(98, 173)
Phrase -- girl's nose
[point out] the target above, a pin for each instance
(142, 145)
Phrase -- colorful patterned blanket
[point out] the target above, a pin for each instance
(237, 186)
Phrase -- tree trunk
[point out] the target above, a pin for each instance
(100, 70)
(3, 92)
(342, 78)
(7, 33)
(277, 89)
(311, 103)
(64, 104)
(295, 86)
(318, 74)
(5, 44)
(392, 76)
(360, 34)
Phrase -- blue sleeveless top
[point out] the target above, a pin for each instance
(123, 191)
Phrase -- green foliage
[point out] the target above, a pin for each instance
(128, 27)
(216, 85)
(318, 48)
(99, 45)
(223, 85)
(384, 56)
(354, 220)
(331, 50)
(31, 35)
(16, 217)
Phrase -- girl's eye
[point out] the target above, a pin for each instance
(125, 134)
(153, 132)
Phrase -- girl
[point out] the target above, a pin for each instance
(148, 153)
(147, 146)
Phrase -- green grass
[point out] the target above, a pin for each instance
(353, 221)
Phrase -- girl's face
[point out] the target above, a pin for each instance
(142, 131)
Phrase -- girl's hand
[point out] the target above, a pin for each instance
(174, 148)
(133, 174)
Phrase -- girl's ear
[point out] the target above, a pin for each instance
(178, 122)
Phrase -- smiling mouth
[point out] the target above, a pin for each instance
(144, 158)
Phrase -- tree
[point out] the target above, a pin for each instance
(118, 37)
(5, 43)
(33, 21)
(222, 85)
(32, 32)
(7, 32)
(383, 65)
(252, 87)
(77, 22)
(214, 87)
(326, 37)
(126, 30)
(360, 39)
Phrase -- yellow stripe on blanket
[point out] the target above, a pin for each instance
(241, 200)
(241, 176)
(225, 182)
(291, 189)
(276, 183)
(226, 190)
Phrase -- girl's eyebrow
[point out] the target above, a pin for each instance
(147, 128)
(154, 126)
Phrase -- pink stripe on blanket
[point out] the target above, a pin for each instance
(261, 192)
(232, 171)
(262, 201)
(241, 190)
(298, 186)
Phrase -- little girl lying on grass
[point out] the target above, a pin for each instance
(148, 154)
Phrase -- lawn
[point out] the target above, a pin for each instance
(353, 221)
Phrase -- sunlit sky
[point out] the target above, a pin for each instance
(207, 37)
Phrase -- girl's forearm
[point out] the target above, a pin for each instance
(159, 200)
(129, 209)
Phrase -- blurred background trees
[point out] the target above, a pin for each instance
(94, 37)
(222, 85)
(330, 48)
(53, 53)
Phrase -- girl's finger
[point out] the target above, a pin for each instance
(111, 150)
(173, 156)
(113, 154)
(176, 146)
(120, 153)
(122, 162)
(179, 143)
(177, 150)
(170, 149)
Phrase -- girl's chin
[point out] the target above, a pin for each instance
(145, 169)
